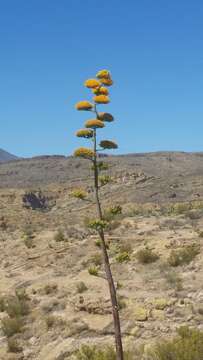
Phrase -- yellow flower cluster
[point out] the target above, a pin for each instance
(101, 99)
(92, 83)
(108, 144)
(94, 124)
(84, 153)
(85, 133)
(105, 117)
(84, 105)
(107, 82)
(103, 74)
(101, 91)
(105, 77)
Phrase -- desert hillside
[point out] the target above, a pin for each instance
(53, 292)
(5, 156)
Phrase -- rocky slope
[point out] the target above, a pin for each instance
(155, 248)
(5, 156)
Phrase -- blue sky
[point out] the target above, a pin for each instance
(154, 50)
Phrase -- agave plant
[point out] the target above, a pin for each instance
(100, 93)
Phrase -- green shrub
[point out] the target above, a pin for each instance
(97, 224)
(121, 302)
(59, 236)
(106, 353)
(112, 212)
(50, 289)
(11, 326)
(79, 194)
(146, 256)
(184, 255)
(123, 257)
(29, 242)
(188, 345)
(96, 259)
(13, 345)
(93, 270)
(104, 179)
(2, 304)
(174, 280)
(50, 321)
(16, 307)
(81, 287)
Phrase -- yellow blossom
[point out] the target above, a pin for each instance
(84, 153)
(84, 105)
(85, 133)
(107, 82)
(94, 124)
(101, 91)
(92, 83)
(105, 117)
(103, 74)
(101, 99)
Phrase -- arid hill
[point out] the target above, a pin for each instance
(53, 292)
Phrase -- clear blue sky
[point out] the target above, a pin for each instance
(154, 50)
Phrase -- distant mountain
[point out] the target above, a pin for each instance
(5, 156)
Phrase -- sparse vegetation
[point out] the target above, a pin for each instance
(50, 289)
(93, 270)
(184, 255)
(188, 345)
(13, 345)
(81, 287)
(11, 326)
(123, 257)
(79, 194)
(146, 256)
(59, 236)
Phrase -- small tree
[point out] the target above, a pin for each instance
(99, 88)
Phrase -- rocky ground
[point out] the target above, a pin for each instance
(52, 277)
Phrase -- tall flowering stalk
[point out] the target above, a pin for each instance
(100, 92)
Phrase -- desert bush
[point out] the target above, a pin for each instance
(28, 238)
(11, 326)
(187, 345)
(106, 353)
(184, 255)
(98, 243)
(122, 257)
(201, 234)
(174, 280)
(96, 259)
(2, 304)
(81, 287)
(112, 212)
(97, 224)
(16, 307)
(126, 246)
(93, 270)
(121, 302)
(59, 236)
(79, 194)
(50, 289)
(50, 321)
(146, 256)
(104, 179)
(13, 345)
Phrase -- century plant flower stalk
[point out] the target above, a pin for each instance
(99, 224)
